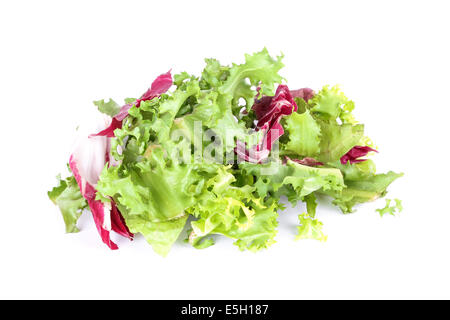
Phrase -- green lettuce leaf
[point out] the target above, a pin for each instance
(235, 212)
(292, 179)
(331, 103)
(67, 196)
(337, 140)
(310, 228)
(391, 209)
(214, 74)
(363, 190)
(160, 235)
(304, 134)
(261, 70)
(260, 234)
(157, 193)
(311, 204)
(110, 108)
(156, 188)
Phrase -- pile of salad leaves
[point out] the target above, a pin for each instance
(218, 154)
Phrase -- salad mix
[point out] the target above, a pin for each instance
(219, 154)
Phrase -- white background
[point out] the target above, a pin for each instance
(390, 57)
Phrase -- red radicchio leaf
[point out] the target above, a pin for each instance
(269, 111)
(87, 161)
(355, 153)
(253, 155)
(96, 206)
(118, 222)
(109, 132)
(304, 93)
(159, 86)
(273, 134)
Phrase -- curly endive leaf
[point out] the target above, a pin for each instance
(368, 188)
(160, 235)
(304, 133)
(391, 209)
(260, 235)
(310, 228)
(260, 68)
(331, 103)
(67, 196)
(293, 180)
(337, 140)
(311, 204)
(110, 108)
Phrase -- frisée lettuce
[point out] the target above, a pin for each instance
(216, 154)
